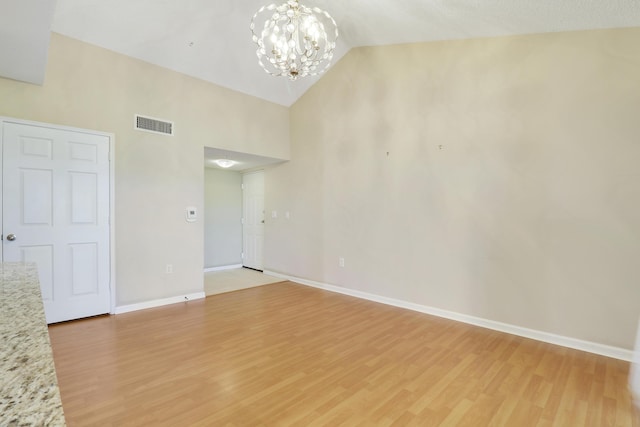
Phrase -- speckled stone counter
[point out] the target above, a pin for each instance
(29, 394)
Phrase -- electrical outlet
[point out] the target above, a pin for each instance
(169, 269)
(341, 262)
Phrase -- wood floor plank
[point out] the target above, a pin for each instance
(289, 355)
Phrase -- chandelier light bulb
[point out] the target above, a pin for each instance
(295, 40)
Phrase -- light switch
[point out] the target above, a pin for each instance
(191, 214)
(274, 214)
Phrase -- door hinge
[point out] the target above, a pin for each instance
(242, 186)
(242, 255)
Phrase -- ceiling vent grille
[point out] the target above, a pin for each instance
(150, 124)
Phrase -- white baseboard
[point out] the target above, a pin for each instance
(588, 346)
(158, 302)
(224, 267)
(233, 288)
(634, 376)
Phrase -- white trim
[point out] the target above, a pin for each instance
(158, 302)
(224, 267)
(588, 346)
(634, 374)
(53, 126)
(112, 220)
(1, 188)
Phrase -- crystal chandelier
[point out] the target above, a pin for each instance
(295, 41)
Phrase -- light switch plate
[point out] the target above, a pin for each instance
(191, 214)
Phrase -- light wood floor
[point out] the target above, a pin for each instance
(285, 354)
(218, 282)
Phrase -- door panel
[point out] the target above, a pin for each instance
(84, 269)
(84, 198)
(253, 220)
(37, 147)
(38, 208)
(56, 201)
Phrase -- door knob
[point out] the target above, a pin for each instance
(11, 237)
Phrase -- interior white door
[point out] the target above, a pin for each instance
(56, 213)
(253, 220)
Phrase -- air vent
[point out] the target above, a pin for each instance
(149, 124)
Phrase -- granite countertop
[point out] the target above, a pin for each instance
(29, 394)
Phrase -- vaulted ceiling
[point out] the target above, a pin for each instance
(211, 40)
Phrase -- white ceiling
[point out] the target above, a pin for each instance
(25, 30)
(211, 40)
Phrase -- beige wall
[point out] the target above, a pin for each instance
(156, 176)
(497, 178)
(527, 215)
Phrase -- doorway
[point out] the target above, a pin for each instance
(56, 198)
(227, 273)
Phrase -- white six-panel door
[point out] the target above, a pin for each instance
(55, 193)
(252, 219)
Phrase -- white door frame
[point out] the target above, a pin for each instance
(112, 228)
